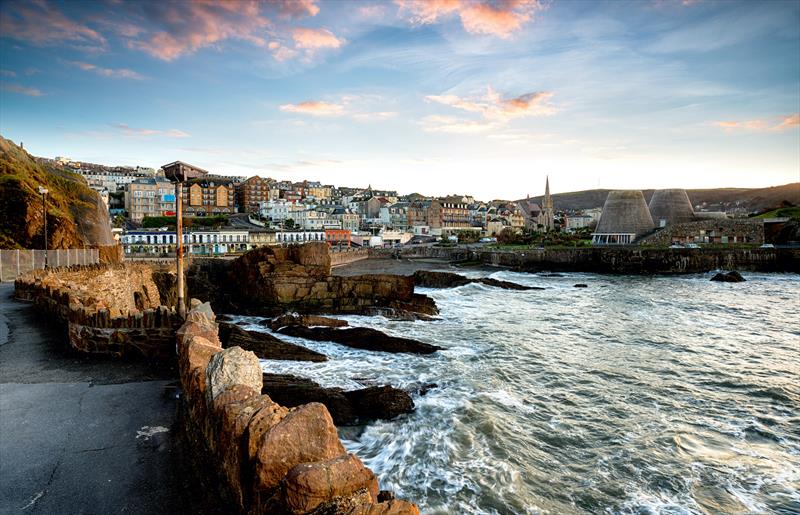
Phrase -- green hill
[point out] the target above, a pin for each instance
(76, 216)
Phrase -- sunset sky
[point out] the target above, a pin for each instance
(440, 96)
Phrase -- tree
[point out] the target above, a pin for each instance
(288, 224)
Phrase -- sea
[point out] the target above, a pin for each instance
(634, 395)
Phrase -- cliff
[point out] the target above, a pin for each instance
(76, 216)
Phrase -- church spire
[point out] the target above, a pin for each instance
(547, 207)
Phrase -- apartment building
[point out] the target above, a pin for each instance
(149, 197)
(252, 191)
(209, 196)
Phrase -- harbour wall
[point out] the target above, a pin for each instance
(269, 459)
(614, 260)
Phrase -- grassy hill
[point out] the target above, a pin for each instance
(76, 216)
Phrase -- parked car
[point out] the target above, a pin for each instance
(676, 246)
(692, 246)
(768, 246)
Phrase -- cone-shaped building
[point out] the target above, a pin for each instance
(669, 207)
(625, 218)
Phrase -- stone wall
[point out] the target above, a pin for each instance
(722, 231)
(114, 310)
(624, 260)
(271, 459)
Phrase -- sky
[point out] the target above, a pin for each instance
(479, 97)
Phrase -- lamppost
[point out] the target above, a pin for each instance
(43, 191)
(178, 172)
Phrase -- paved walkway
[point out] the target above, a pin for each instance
(81, 434)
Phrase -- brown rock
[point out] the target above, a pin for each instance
(306, 434)
(306, 320)
(198, 353)
(264, 345)
(361, 338)
(264, 419)
(231, 367)
(309, 485)
(393, 507)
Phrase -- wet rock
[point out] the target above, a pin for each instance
(428, 279)
(230, 367)
(309, 485)
(264, 345)
(306, 320)
(730, 277)
(581, 285)
(305, 435)
(385, 495)
(380, 402)
(346, 408)
(360, 338)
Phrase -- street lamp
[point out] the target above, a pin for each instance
(43, 191)
(178, 172)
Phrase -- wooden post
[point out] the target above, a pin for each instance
(181, 307)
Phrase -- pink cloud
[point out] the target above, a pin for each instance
(493, 107)
(191, 26)
(499, 18)
(313, 39)
(42, 23)
(454, 125)
(761, 125)
(296, 8)
(314, 108)
(22, 90)
(118, 73)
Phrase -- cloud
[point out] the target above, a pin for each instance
(119, 73)
(190, 26)
(41, 23)
(495, 108)
(280, 52)
(140, 132)
(761, 125)
(22, 90)
(314, 39)
(314, 108)
(296, 8)
(500, 18)
(374, 117)
(8, 73)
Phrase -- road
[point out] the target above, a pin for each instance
(80, 434)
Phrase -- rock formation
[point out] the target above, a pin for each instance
(346, 407)
(275, 280)
(360, 338)
(730, 277)
(264, 345)
(428, 279)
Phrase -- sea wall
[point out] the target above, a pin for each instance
(107, 309)
(342, 257)
(622, 260)
(270, 459)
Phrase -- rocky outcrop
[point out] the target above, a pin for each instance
(264, 345)
(270, 459)
(730, 277)
(271, 281)
(428, 279)
(346, 407)
(306, 320)
(360, 338)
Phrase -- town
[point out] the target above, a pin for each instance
(228, 215)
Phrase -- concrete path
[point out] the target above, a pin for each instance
(81, 434)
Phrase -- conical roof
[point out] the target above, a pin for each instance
(672, 206)
(625, 212)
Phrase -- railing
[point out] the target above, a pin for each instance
(16, 262)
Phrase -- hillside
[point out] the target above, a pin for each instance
(76, 216)
(750, 199)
